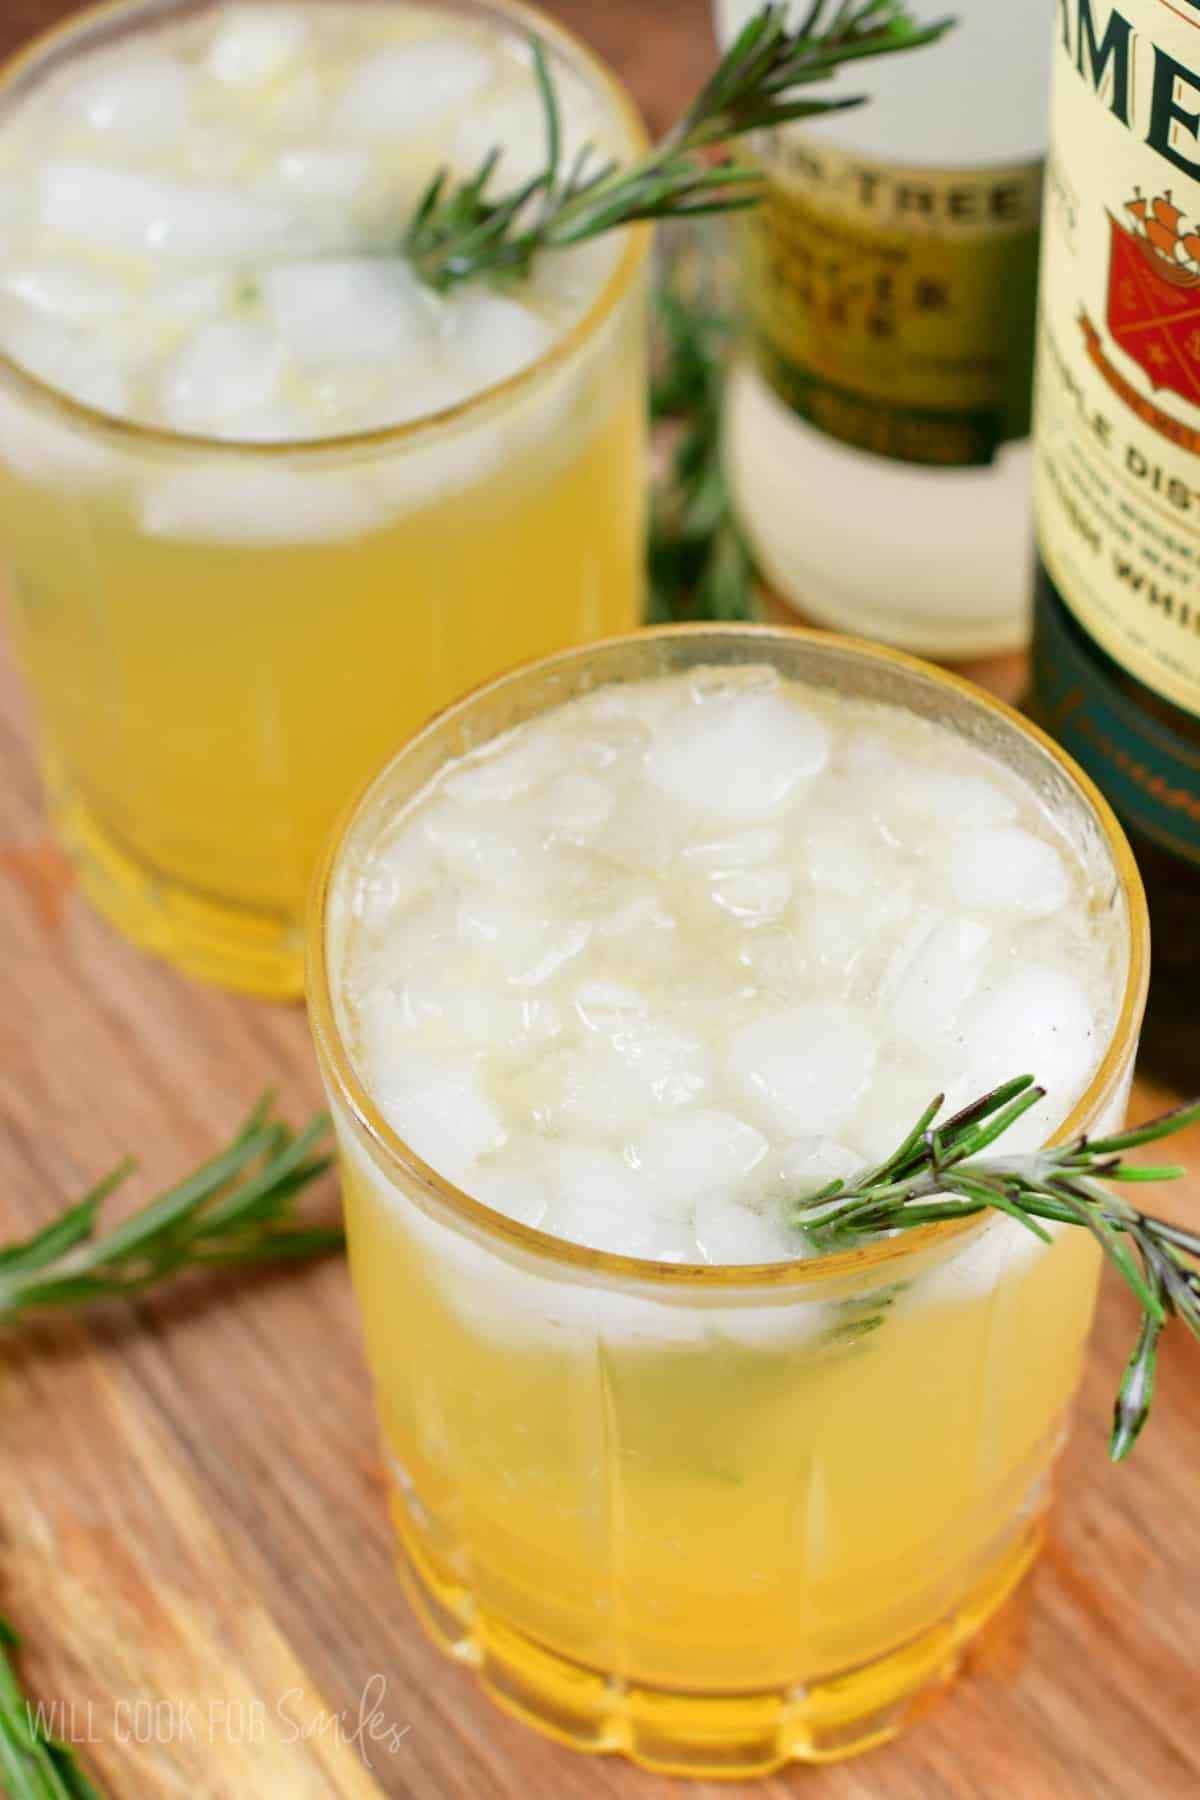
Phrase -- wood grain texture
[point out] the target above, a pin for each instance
(191, 1512)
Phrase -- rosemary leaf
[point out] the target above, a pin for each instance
(938, 1173)
(236, 1209)
(698, 564)
(33, 1765)
(460, 230)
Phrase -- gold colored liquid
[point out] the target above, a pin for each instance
(715, 1555)
(207, 709)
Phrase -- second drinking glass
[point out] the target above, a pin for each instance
(225, 635)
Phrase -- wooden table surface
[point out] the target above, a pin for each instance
(192, 1529)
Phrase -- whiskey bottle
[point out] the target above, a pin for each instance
(1116, 673)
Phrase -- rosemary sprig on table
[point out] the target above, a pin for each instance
(237, 1209)
(939, 1173)
(698, 563)
(461, 230)
(33, 1765)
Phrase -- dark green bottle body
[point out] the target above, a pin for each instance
(1143, 752)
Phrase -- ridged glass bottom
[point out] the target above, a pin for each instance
(234, 946)
(705, 1735)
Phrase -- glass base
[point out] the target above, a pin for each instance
(232, 946)
(702, 1735)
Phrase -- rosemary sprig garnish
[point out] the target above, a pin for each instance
(237, 1209)
(33, 1765)
(698, 563)
(939, 1173)
(461, 230)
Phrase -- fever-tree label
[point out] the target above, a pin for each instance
(892, 306)
(1117, 435)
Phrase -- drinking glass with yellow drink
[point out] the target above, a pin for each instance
(266, 500)
(321, 398)
(617, 968)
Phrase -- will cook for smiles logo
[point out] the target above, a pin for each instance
(367, 1728)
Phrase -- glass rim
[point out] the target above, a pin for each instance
(604, 303)
(395, 1153)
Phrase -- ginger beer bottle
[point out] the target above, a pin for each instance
(877, 435)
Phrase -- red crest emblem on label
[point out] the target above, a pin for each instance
(1154, 294)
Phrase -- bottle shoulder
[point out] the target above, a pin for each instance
(978, 98)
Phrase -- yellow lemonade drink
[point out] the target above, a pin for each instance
(266, 501)
(614, 964)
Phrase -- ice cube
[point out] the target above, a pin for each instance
(238, 502)
(959, 799)
(14, 212)
(141, 99)
(218, 154)
(839, 854)
(440, 1108)
(641, 834)
(608, 1006)
(255, 44)
(1004, 866)
(400, 868)
(785, 1321)
(176, 306)
(811, 1163)
(681, 1158)
(411, 398)
(517, 124)
(775, 962)
(804, 1068)
(574, 805)
(728, 1231)
(899, 1092)
(123, 210)
(529, 947)
(229, 369)
(490, 337)
(735, 850)
(521, 1194)
(832, 933)
(739, 756)
(49, 453)
(996, 1249)
(516, 121)
(360, 309)
(900, 783)
(586, 1091)
(409, 86)
(322, 170)
(674, 1064)
(69, 363)
(1035, 1021)
(672, 1241)
(939, 974)
(297, 105)
(753, 895)
(475, 842)
(424, 473)
(598, 1201)
(63, 291)
(484, 1017)
(502, 769)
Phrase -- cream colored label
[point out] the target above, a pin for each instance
(1117, 411)
(893, 306)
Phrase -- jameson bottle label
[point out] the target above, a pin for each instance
(1117, 431)
(893, 307)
